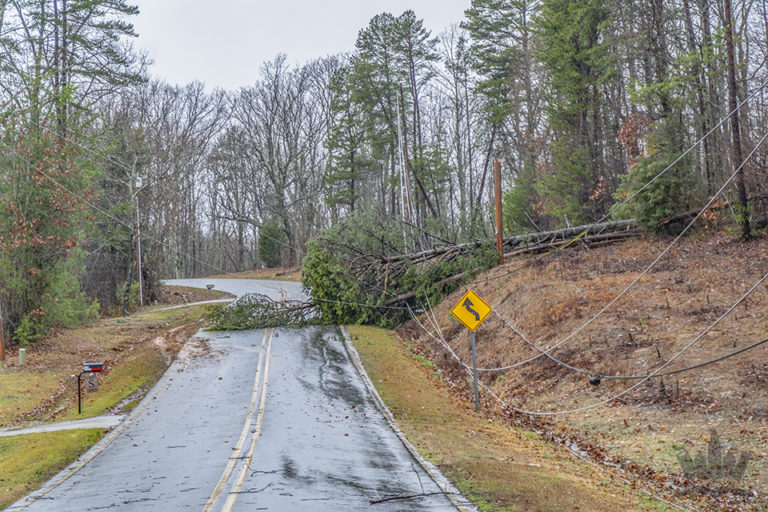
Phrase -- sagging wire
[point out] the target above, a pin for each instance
(595, 377)
(642, 378)
(130, 169)
(166, 245)
(641, 189)
(645, 272)
(112, 217)
(359, 304)
(433, 319)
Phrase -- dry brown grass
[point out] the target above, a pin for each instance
(278, 274)
(500, 467)
(554, 295)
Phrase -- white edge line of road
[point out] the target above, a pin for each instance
(461, 503)
(95, 450)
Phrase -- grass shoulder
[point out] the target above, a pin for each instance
(498, 466)
(26, 461)
(135, 350)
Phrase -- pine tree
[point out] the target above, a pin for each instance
(503, 46)
(346, 144)
(577, 63)
(57, 59)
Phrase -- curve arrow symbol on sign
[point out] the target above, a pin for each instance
(468, 306)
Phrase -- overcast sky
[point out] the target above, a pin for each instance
(223, 43)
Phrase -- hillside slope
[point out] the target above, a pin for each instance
(561, 295)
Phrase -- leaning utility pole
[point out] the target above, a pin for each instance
(497, 194)
(737, 158)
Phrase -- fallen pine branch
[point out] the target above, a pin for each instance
(257, 311)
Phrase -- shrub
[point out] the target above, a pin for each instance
(675, 191)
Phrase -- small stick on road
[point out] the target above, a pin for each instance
(408, 497)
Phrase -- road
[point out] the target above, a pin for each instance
(275, 420)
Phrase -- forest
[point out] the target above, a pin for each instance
(596, 109)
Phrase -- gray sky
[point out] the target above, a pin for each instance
(224, 42)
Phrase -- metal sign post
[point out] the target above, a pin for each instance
(474, 371)
(471, 310)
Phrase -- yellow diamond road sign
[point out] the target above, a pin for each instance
(471, 310)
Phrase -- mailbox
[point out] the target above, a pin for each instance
(87, 368)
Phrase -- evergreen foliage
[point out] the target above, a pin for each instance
(272, 240)
(257, 311)
(346, 144)
(41, 223)
(677, 190)
(350, 283)
(578, 62)
(386, 151)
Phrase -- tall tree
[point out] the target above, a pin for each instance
(347, 148)
(504, 45)
(736, 154)
(577, 63)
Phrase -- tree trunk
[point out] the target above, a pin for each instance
(736, 154)
(2, 321)
(701, 125)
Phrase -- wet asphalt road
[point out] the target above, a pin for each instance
(274, 420)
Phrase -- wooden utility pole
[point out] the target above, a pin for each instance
(737, 158)
(497, 190)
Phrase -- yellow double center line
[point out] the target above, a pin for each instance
(262, 365)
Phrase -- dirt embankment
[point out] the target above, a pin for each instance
(135, 350)
(609, 326)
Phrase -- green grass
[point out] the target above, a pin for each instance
(424, 361)
(26, 462)
(22, 390)
(136, 363)
(142, 368)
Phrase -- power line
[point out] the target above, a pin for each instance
(649, 267)
(642, 378)
(687, 368)
(634, 194)
(635, 377)
(179, 251)
(126, 167)
(109, 215)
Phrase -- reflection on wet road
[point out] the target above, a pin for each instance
(324, 444)
(254, 420)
